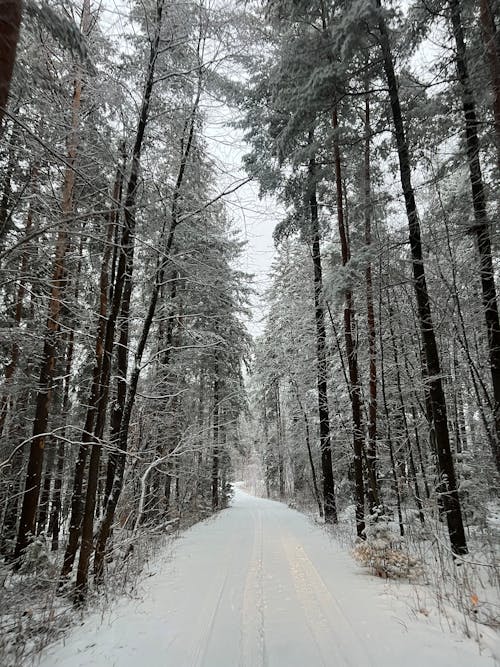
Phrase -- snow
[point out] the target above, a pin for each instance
(260, 584)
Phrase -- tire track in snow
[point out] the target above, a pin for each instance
(203, 646)
(252, 636)
(307, 607)
(337, 640)
(209, 612)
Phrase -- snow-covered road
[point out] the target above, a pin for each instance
(261, 585)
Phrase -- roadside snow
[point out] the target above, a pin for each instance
(261, 585)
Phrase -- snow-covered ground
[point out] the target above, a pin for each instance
(260, 584)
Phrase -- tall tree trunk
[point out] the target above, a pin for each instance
(216, 437)
(122, 291)
(43, 507)
(165, 348)
(404, 421)
(121, 382)
(309, 451)
(6, 199)
(371, 449)
(395, 478)
(49, 354)
(481, 224)
(329, 503)
(11, 367)
(55, 514)
(14, 486)
(350, 343)
(491, 41)
(123, 325)
(56, 504)
(102, 345)
(419, 452)
(279, 441)
(445, 459)
(159, 278)
(199, 454)
(265, 423)
(10, 23)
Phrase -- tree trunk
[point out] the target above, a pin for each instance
(265, 423)
(12, 493)
(419, 452)
(395, 478)
(10, 22)
(123, 335)
(279, 441)
(445, 459)
(56, 504)
(215, 445)
(58, 282)
(122, 291)
(404, 421)
(350, 344)
(491, 44)
(43, 507)
(121, 383)
(186, 145)
(481, 224)
(199, 423)
(6, 210)
(309, 452)
(329, 503)
(11, 367)
(102, 345)
(371, 449)
(55, 514)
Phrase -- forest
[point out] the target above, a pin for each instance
(140, 378)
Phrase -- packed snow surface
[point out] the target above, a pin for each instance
(260, 584)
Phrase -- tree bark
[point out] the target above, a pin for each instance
(159, 278)
(279, 440)
(11, 367)
(445, 459)
(10, 23)
(43, 506)
(199, 454)
(395, 478)
(350, 344)
(491, 40)
(404, 421)
(102, 345)
(6, 209)
(121, 383)
(481, 224)
(122, 291)
(309, 451)
(49, 354)
(371, 448)
(329, 503)
(215, 436)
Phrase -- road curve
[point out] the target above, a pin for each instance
(260, 585)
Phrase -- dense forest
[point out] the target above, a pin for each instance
(123, 335)
(378, 130)
(131, 392)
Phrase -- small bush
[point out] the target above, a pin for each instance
(382, 552)
(37, 558)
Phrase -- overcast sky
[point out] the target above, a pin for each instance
(254, 218)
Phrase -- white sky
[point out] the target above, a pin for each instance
(254, 218)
